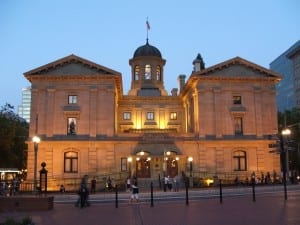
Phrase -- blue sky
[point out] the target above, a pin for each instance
(37, 32)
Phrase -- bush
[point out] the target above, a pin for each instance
(25, 221)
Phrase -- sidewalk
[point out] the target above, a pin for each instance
(271, 209)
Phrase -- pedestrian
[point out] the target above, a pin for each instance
(128, 184)
(93, 185)
(83, 196)
(176, 183)
(62, 189)
(135, 192)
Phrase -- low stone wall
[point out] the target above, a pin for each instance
(26, 203)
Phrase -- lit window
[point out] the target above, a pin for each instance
(237, 100)
(173, 116)
(147, 72)
(150, 115)
(126, 116)
(71, 162)
(72, 99)
(137, 73)
(238, 126)
(72, 126)
(240, 161)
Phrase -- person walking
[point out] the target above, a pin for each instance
(135, 192)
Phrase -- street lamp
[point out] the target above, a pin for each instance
(36, 140)
(285, 133)
(129, 159)
(285, 166)
(190, 159)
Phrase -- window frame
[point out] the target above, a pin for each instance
(173, 115)
(69, 121)
(238, 126)
(126, 115)
(236, 99)
(72, 166)
(72, 99)
(150, 116)
(240, 161)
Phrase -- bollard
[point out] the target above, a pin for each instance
(253, 190)
(186, 192)
(221, 194)
(152, 195)
(116, 196)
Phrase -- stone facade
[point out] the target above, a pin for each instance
(219, 124)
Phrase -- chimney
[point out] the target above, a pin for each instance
(181, 80)
(174, 91)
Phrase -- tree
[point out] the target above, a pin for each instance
(291, 119)
(13, 135)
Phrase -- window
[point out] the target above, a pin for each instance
(71, 162)
(238, 126)
(150, 115)
(72, 99)
(72, 126)
(237, 100)
(173, 116)
(126, 116)
(158, 73)
(147, 72)
(240, 161)
(136, 73)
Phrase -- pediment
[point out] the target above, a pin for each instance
(238, 68)
(72, 65)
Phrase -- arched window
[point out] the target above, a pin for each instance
(136, 73)
(71, 162)
(147, 72)
(158, 73)
(240, 161)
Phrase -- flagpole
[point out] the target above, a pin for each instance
(147, 27)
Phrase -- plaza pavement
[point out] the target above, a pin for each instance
(238, 208)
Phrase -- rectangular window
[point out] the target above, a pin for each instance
(173, 116)
(237, 100)
(240, 161)
(238, 126)
(71, 162)
(126, 116)
(72, 126)
(123, 164)
(150, 115)
(72, 99)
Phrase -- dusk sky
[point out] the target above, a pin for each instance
(37, 32)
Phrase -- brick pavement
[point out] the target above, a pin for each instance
(267, 210)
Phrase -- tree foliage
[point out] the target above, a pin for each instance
(291, 119)
(13, 135)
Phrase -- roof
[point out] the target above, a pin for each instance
(147, 50)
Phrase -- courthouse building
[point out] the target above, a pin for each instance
(218, 122)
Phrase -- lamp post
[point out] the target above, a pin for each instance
(129, 159)
(36, 140)
(286, 132)
(285, 165)
(190, 159)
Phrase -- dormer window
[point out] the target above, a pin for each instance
(147, 72)
(237, 100)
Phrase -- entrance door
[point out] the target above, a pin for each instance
(172, 167)
(143, 168)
